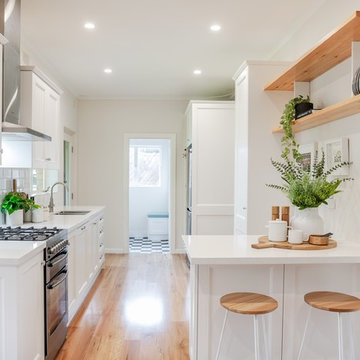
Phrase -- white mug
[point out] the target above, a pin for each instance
(295, 236)
(277, 230)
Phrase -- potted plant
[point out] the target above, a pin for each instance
(29, 204)
(306, 189)
(13, 206)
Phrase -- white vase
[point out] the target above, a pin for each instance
(309, 221)
(15, 219)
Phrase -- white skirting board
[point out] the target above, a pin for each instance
(121, 251)
(115, 251)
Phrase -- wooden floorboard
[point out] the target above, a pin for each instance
(138, 309)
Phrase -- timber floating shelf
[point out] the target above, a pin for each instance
(331, 113)
(331, 51)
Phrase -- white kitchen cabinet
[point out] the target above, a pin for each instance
(256, 113)
(212, 126)
(3, 41)
(71, 272)
(40, 106)
(81, 256)
(188, 131)
(86, 257)
(22, 310)
(101, 248)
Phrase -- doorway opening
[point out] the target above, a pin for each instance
(150, 190)
(69, 163)
(67, 170)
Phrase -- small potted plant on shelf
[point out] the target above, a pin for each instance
(306, 189)
(29, 205)
(13, 205)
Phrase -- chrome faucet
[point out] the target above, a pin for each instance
(51, 203)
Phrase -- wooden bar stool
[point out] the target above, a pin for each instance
(249, 304)
(334, 302)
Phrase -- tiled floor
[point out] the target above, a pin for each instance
(146, 246)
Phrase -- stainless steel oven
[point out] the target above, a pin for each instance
(56, 298)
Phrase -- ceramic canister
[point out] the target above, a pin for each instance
(277, 230)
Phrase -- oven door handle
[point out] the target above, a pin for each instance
(51, 264)
(57, 283)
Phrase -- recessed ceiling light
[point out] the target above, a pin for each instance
(107, 71)
(89, 26)
(197, 72)
(215, 27)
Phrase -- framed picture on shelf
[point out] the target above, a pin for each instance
(308, 152)
(336, 152)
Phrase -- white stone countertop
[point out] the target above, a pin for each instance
(232, 250)
(69, 222)
(15, 253)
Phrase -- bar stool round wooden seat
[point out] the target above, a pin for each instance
(333, 302)
(248, 303)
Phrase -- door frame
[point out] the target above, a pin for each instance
(172, 193)
(70, 137)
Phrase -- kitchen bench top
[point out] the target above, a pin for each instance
(69, 222)
(15, 253)
(237, 250)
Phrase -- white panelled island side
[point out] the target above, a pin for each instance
(224, 264)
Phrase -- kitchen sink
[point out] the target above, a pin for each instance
(72, 212)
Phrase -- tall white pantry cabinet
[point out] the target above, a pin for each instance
(210, 129)
(257, 112)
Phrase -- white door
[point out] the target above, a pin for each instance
(241, 155)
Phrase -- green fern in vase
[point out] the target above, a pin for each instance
(307, 189)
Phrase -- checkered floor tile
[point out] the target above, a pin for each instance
(144, 245)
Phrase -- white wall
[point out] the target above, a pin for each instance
(333, 86)
(101, 128)
(144, 200)
(326, 19)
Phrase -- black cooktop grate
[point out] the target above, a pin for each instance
(27, 234)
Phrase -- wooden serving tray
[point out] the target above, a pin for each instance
(264, 243)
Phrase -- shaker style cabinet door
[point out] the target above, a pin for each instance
(212, 167)
(241, 153)
(40, 110)
(51, 128)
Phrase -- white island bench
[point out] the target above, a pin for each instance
(224, 264)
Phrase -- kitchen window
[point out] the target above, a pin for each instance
(144, 166)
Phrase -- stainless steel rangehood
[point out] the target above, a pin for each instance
(10, 26)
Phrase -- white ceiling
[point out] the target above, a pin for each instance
(153, 46)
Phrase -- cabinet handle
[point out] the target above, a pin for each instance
(83, 228)
(244, 208)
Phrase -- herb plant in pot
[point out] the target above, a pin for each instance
(13, 206)
(306, 190)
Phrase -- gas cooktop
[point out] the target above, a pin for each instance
(28, 233)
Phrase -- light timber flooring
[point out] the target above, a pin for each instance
(138, 309)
